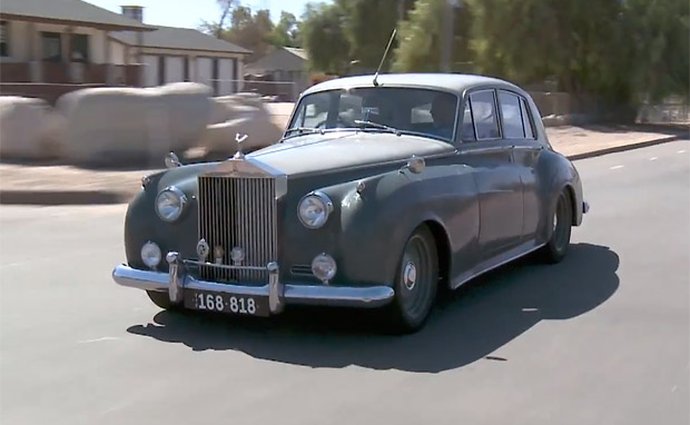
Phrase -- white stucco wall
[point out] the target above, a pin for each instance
(117, 53)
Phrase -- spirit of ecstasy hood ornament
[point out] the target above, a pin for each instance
(240, 138)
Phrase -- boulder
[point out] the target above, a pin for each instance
(243, 113)
(28, 129)
(115, 125)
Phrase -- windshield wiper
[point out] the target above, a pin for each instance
(377, 125)
(304, 129)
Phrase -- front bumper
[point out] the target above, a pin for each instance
(176, 281)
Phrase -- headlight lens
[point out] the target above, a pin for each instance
(151, 254)
(314, 210)
(324, 268)
(170, 203)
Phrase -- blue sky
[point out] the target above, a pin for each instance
(190, 13)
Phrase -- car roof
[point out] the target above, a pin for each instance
(457, 83)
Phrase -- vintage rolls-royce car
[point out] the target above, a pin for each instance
(379, 191)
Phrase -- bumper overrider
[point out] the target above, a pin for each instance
(177, 281)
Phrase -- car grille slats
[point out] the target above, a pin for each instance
(238, 212)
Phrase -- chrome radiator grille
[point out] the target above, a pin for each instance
(238, 212)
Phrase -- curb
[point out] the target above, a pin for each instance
(104, 197)
(60, 197)
(622, 148)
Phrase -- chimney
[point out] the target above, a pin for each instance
(133, 12)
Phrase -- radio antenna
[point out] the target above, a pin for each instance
(385, 54)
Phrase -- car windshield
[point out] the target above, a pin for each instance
(425, 112)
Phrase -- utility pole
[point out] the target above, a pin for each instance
(447, 32)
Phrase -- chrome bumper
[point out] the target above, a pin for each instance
(176, 281)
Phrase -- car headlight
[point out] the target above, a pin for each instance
(170, 203)
(314, 209)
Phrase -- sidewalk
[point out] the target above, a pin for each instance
(60, 184)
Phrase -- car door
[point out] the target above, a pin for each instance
(497, 178)
(518, 130)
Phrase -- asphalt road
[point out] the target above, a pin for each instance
(602, 338)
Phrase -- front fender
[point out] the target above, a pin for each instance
(376, 224)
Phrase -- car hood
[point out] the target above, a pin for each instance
(341, 150)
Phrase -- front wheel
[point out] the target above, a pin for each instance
(561, 223)
(415, 283)
(162, 300)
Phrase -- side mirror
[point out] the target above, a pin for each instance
(172, 161)
(415, 165)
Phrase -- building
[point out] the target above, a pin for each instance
(54, 44)
(171, 54)
(61, 41)
(286, 67)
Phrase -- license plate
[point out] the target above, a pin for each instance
(226, 303)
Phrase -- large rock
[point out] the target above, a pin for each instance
(243, 113)
(28, 129)
(115, 125)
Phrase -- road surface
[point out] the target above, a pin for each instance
(602, 338)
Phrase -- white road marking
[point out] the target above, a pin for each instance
(654, 158)
(105, 338)
(681, 151)
(616, 167)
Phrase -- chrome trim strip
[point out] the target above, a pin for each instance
(365, 297)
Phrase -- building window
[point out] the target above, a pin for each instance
(4, 39)
(79, 48)
(52, 46)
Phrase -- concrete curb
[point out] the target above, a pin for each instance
(622, 148)
(62, 197)
(100, 197)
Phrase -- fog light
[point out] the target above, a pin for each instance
(323, 267)
(151, 254)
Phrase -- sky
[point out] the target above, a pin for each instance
(190, 13)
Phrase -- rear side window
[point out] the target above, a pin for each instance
(526, 120)
(484, 115)
(511, 115)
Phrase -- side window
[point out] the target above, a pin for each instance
(484, 115)
(527, 120)
(511, 115)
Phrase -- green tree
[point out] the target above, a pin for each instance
(324, 38)
(419, 47)
(368, 25)
(658, 33)
(286, 32)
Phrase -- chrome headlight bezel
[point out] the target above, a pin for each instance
(181, 200)
(326, 206)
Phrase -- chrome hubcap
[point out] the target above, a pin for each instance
(410, 275)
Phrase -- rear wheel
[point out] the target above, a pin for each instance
(415, 283)
(561, 225)
(162, 300)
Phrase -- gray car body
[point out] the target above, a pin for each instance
(486, 202)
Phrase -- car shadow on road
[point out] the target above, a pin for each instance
(469, 324)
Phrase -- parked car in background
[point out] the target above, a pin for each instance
(379, 192)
